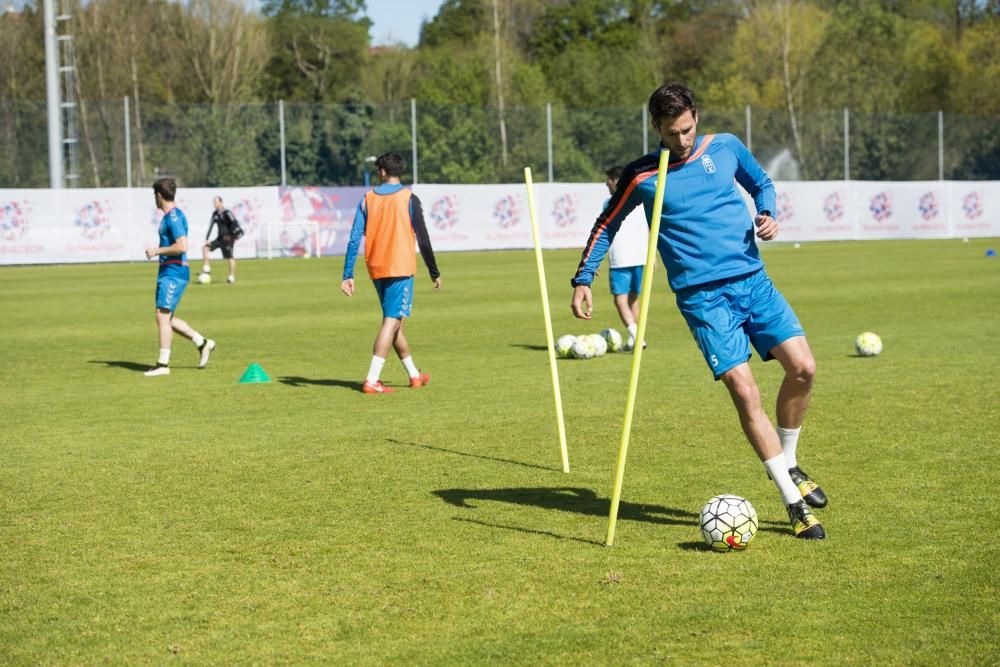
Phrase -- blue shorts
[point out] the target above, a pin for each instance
(395, 295)
(169, 290)
(626, 280)
(727, 316)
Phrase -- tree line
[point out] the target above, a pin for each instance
(204, 77)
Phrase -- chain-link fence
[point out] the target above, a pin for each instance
(124, 143)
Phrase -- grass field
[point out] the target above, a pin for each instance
(192, 518)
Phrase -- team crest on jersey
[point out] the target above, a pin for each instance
(706, 162)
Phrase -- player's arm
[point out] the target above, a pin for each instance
(175, 249)
(758, 184)
(622, 202)
(424, 240)
(353, 245)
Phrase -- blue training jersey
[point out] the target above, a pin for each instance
(173, 226)
(706, 230)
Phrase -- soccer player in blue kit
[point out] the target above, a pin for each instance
(172, 279)
(706, 241)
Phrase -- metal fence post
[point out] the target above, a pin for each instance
(645, 131)
(128, 147)
(847, 145)
(281, 132)
(548, 130)
(749, 131)
(413, 135)
(940, 145)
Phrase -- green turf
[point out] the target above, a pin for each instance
(193, 518)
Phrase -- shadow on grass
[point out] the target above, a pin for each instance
(127, 365)
(570, 499)
(531, 531)
(529, 346)
(296, 381)
(474, 456)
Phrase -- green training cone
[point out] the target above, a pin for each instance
(254, 373)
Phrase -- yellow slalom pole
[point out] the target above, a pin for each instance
(548, 318)
(640, 337)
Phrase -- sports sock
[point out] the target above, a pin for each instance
(633, 329)
(206, 269)
(164, 357)
(410, 367)
(779, 473)
(375, 370)
(198, 339)
(789, 443)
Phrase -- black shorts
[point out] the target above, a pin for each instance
(224, 242)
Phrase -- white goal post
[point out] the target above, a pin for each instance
(299, 238)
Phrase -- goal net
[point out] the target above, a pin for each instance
(292, 239)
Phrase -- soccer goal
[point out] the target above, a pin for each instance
(292, 239)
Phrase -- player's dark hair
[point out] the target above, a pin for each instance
(392, 163)
(613, 173)
(671, 100)
(166, 188)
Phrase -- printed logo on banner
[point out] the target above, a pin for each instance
(93, 219)
(833, 207)
(564, 210)
(972, 205)
(15, 220)
(786, 211)
(444, 212)
(706, 162)
(928, 206)
(506, 212)
(881, 206)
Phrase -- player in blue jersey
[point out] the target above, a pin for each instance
(714, 268)
(172, 279)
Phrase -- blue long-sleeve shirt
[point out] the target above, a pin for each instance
(706, 230)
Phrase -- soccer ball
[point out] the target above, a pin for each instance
(582, 349)
(868, 344)
(598, 343)
(204, 278)
(728, 523)
(564, 346)
(613, 339)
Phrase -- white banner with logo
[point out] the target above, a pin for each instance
(117, 224)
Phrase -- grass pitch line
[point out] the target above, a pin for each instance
(549, 340)
(633, 382)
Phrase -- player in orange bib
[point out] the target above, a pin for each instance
(390, 221)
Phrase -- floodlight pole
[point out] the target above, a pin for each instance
(53, 98)
(645, 130)
(413, 135)
(749, 130)
(548, 125)
(128, 146)
(281, 132)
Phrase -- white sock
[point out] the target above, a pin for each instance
(164, 357)
(410, 367)
(789, 443)
(198, 339)
(206, 269)
(779, 473)
(375, 370)
(633, 329)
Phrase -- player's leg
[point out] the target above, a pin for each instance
(402, 347)
(776, 333)
(232, 270)
(165, 335)
(204, 345)
(620, 283)
(380, 350)
(794, 395)
(227, 253)
(206, 266)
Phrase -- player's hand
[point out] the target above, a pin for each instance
(582, 302)
(437, 283)
(152, 252)
(347, 287)
(767, 227)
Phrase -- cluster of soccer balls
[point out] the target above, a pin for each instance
(728, 523)
(589, 345)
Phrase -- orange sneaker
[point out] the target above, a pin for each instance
(377, 388)
(420, 380)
